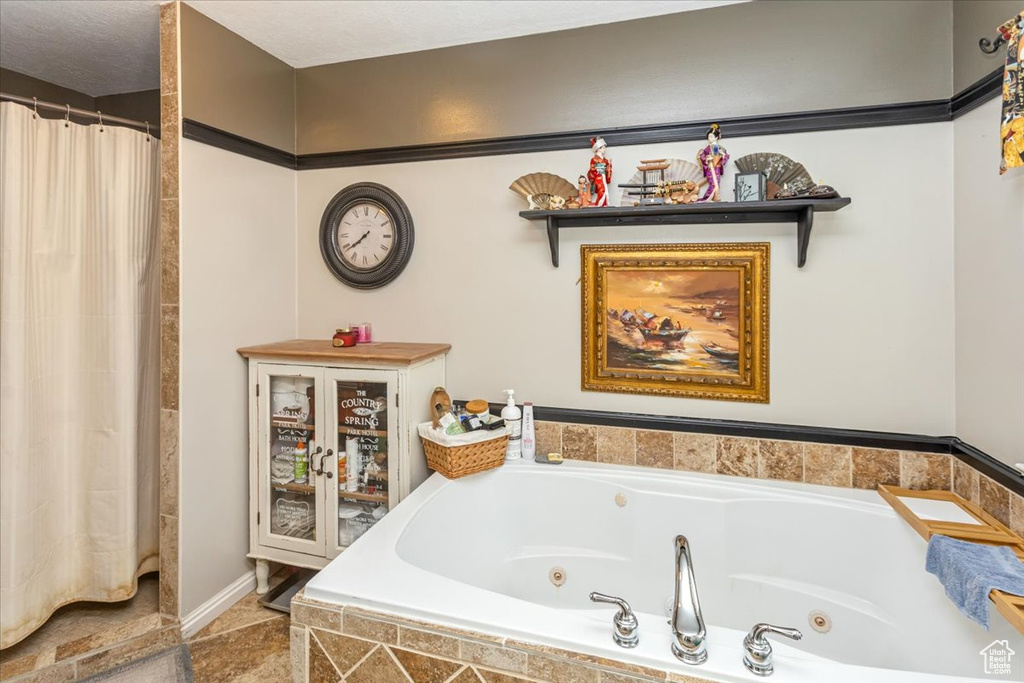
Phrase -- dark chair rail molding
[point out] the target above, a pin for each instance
(799, 122)
(979, 460)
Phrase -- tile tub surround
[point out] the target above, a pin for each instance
(799, 461)
(347, 644)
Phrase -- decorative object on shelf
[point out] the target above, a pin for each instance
(680, 192)
(344, 336)
(538, 189)
(687, 320)
(556, 203)
(781, 172)
(712, 160)
(366, 235)
(600, 173)
(643, 187)
(1011, 129)
(677, 172)
(813, 192)
(750, 187)
(440, 404)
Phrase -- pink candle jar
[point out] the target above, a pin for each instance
(364, 332)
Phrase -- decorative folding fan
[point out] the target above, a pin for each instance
(780, 171)
(538, 188)
(678, 170)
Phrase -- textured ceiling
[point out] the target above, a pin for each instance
(311, 32)
(94, 47)
(102, 47)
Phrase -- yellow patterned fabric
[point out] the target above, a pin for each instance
(1011, 125)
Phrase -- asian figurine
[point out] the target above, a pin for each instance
(600, 173)
(583, 198)
(712, 160)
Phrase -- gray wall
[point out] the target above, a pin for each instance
(746, 59)
(972, 21)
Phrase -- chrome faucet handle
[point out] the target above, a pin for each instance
(688, 630)
(757, 656)
(626, 625)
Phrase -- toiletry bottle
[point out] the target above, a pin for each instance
(514, 421)
(352, 464)
(301, 463)
(529, 439)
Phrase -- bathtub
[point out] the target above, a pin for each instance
(478, 554)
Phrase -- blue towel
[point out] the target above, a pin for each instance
(969, 572)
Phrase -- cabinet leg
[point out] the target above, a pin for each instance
(262, 577)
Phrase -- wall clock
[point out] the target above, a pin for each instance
(366, 235)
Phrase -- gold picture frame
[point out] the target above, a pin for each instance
(688, 320)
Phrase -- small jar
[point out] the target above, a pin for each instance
(364, 332)
(344, 336)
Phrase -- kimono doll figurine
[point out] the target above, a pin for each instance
(712, 160)
(600, 173)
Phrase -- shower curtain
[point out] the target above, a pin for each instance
(79, 364)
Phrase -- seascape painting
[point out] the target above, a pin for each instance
(685, 320)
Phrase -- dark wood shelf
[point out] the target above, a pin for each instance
(799, 211)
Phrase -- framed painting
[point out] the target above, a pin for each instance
(686, 320)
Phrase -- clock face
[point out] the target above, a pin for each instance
(365, 236)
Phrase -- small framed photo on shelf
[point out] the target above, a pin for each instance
(750, 187)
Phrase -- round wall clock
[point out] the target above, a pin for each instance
(366, 235)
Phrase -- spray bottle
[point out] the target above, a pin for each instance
(513, 418)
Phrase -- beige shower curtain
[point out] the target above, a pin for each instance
(79, 364)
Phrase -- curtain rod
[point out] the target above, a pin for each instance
(74, 111)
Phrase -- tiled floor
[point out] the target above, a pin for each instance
(81, 619)
(246, 644)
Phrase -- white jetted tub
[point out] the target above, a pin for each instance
(478, 553)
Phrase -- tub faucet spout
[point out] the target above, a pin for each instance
(687, 620)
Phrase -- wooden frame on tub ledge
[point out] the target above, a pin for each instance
(688, 320)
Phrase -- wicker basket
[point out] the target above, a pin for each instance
(460, 461)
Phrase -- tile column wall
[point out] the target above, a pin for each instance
(170, 137)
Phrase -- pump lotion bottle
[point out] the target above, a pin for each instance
(514, 422)
(529, 438)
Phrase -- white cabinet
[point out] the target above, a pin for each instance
(308, 499)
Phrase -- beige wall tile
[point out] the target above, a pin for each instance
(169, 167)
(827, 464)
(370, 629)
(425, 641)
(579, 442)
(737, 456)
(306, 614)
(780, 460)
(344, 652)
(494, 656)
(169, 357)
(695, 452)
(1016, 514)
(925, 471)
(553, 669)
(169, 47)
(965, 480)
(170, 122)
(169, 462)
(654, 449)
(298, 649)
(379, 667)
(321, 670)
(169, 565)
(549, 437)
(874, 466)
(616, 445)
(496, 677)
(470, 675)
(58, 673)
(169, 282)
(994, 499)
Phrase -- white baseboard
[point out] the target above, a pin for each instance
(193, 622)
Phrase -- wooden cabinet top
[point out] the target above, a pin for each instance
(320, 351)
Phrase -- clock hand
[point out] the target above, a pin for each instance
(354, 244)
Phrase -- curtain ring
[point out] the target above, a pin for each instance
(100, 114)
(67, 115)
(35, 107)
(147, 131)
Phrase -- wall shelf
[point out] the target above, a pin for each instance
(799, 211)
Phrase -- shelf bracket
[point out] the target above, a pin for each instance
(804, 222)
(553, 239)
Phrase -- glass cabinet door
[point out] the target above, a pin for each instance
(363, 415)
(291, 505)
